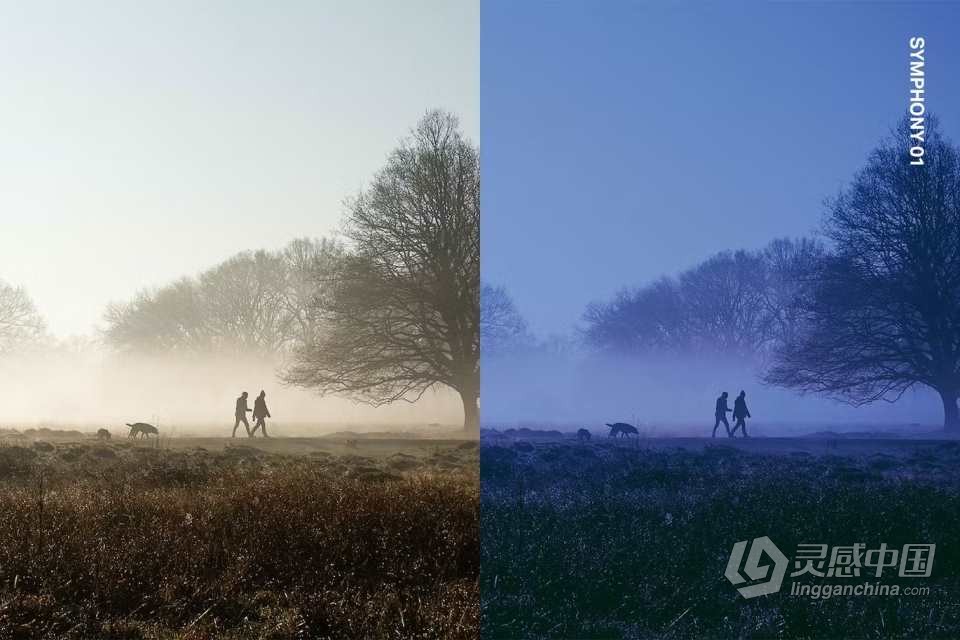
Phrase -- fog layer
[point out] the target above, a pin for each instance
(189, 394)
(671, 395)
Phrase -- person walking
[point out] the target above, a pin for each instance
(260, 414)
(241, 414)
(740, 414)
(720, 413)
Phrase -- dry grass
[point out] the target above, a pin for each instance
(121, 541)
(610, 540)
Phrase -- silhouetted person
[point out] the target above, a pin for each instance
(241, 414)
(721, 414)
(740, 414)
(260, 414)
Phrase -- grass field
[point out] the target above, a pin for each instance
(219, 538)
(630, 539)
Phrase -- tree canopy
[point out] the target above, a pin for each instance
(884, 310)
(736, 303)
(20, 323)
(254, 301)
(403, 314)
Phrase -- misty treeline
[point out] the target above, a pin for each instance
(259, 302)
(21, 325)
(864, 312)
(742, 304)
(386, 313)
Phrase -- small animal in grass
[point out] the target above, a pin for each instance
(583, 435)
(622, 429)
(142, 429)
(351, 444)
(103, 434)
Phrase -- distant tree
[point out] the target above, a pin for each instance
(255, 301)
(884, 312)
(790, 268)
(169, 319)
(242, 302)
(404, 314)
(20, 323)
(502, 329)
(646, 320)
(739, 303)
(310, 270)
(723, 304)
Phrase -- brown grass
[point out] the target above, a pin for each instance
(115, 541)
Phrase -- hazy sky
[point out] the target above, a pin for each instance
(142, 141)
(626, 140)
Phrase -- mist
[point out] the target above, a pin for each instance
(188, 394)
(672, 395)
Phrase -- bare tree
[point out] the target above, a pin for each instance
(723, 300)
(404, 315)
(242, 299)
(254, 301)
(502, 328)
(168, 319)
(790, 269)
(20, 323)
(884, 315)
(646, 320)
(310, 268)
(735, 303)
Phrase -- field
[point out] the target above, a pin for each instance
(617, 539)
(217, 538)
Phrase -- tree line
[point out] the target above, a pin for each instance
(385, 315)
(21, 325)
(256, 301)
(864, 312)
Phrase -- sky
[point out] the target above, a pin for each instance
(623, 141)
(141, 142)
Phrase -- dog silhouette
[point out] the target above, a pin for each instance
(622, 429)
(142, 429)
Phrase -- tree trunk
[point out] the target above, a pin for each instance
(951, 414)
(471, 413)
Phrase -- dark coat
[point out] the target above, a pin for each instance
(722, 408)
(260, 408)
(242, 408)
(740, 408)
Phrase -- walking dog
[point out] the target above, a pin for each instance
(622, 429)
(142, 429)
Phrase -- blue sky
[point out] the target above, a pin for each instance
(622, 141)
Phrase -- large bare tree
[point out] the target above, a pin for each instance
(404, 315)
(20, 323)
(884, 314)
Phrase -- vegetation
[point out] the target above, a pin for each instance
(404, 313)
(742, 303)
(884, 314)
(255, 301)
(503, 330)
(20, 323)
(605, 541)
(125, 541)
